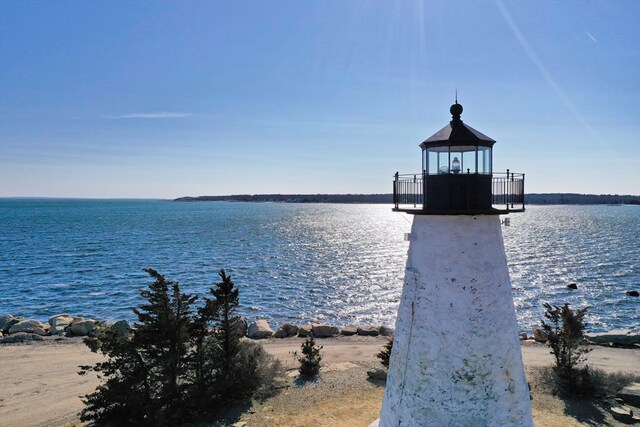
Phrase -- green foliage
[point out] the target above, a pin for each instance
(177, 365)
(310, 359)
(565, 337)
(385, 353)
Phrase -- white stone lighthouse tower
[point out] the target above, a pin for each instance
(456, 357)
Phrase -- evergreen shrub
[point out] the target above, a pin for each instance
(179, 364)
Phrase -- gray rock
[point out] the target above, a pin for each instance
(523, 336)
(290, 329)
(10, 323)
(4, 319)
(20, 337)
(39, 331)
(617, 337)
(61, 319)
(239, 327)
(349, 330)
(81, 328)
(368, 331)
(59, 323)
(624, 414)
(260, 329)
(386, 331)
(57, 330)
(377, 374)
(630, 394)
(280, 333)
(304, 331)
(26, 326)
(324, 331)
(122, 326)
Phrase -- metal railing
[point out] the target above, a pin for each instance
(408, 190)
(507, 191)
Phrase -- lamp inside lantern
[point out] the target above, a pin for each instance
(455, 165)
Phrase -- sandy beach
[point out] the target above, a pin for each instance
(40, 385)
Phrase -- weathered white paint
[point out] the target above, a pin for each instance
(456, 357)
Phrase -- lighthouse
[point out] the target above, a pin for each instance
(456, 358)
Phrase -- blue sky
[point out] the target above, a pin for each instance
(165, 99)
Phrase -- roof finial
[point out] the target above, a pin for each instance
(456, 95)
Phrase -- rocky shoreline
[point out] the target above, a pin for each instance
(64, 326)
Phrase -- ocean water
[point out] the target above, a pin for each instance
(341, 264)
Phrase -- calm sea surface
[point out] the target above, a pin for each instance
(341, 264)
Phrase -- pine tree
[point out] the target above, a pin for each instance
(565, 337)
(310, 359)
(176, 366)
(385, 353)
(147, 373)
(221, 311)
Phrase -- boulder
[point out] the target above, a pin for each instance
(633, 293)
(239, 327)
(59, 323)
(60, 319)
(4, 319)
(523, 336)
(260, 329)
(377, 374)
(368, 331)
(324, 331)
(572, 286)
(280, 333)
(540, 336)
(290, 329)
(81, 327)
(617, 337)
(20, 337)
(349, 330)
(304, 331)
(630, 394)
(286, 330)
(122, 326)
(624, 414)
(386, 331)
(57, 330)
(39, 331)
(10, 323)
(26, 326)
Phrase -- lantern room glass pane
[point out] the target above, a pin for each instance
(469, 162)
(432, 160)
(484, 160)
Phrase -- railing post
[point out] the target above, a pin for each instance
(522, 191)
(395, 190)
(413, 190)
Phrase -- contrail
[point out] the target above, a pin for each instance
(592, 38)
(543, 70)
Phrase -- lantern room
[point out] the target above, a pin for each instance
(457, 176)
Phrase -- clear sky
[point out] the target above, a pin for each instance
(166, 99)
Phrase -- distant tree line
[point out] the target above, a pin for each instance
(580, 199)
(294, 198)
(531, 199)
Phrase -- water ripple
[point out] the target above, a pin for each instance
(304, 263)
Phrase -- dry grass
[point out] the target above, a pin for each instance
(343, 396)
(551, 410)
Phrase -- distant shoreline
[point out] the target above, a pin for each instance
(530, 199)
